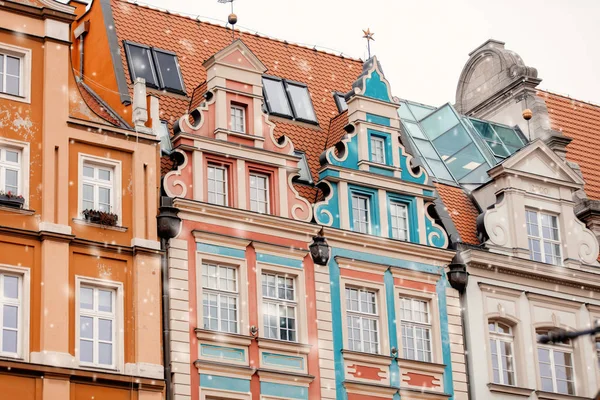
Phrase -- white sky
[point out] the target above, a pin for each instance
(423, 44)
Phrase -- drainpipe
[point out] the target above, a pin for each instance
(458, 277)
(168, 226)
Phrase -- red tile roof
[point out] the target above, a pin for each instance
(99, 109)
(462, 211)
(196, 41)
(581, 122)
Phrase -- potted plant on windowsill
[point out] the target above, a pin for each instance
(101, 217)
(10, 199)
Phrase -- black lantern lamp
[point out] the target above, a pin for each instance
(458, 275)
(168, 223)
(319, 249)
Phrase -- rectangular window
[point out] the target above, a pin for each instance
(220, 298)
(555, 362)
(10, 170)
(98, 189)
(416, 329)
(217, 185)
(10, 314)
(279, 307)
(160, 68)
(399, 214)
(362, 319)
(378, 149)
(361, 214)
(544, 239)
(288, 99)
(501, 348)
(97, 326)
(238, 119)
(259, 193)
(169, 74)
(10, 74)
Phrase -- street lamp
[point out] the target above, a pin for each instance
(319, 250)
(458, 275)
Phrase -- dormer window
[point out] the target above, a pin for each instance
(158, 67)
(288, 99)
(544, 239)
(238, 119)
(378, 149)
(361, 214)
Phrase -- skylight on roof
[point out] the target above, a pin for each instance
(158, 67)
(288, 99)
(502, 140)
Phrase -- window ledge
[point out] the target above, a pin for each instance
(291, 377)
(378, 359)
(282, 345)
(421, 365)
(224, 337)
(378, 165)
(242, 135)
(16, 210)
(15, 97)
(541, 395)
(508, 389)
(112, 228)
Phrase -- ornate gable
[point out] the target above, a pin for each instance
(371, 165)
(535, 183)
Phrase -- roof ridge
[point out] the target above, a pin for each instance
(566, 96)
(245, 30)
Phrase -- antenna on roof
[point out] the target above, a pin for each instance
(232, 18)
(367, 35)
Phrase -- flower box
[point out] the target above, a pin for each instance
(11, 200)
(101, 217)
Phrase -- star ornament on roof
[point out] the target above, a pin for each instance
(369, 36)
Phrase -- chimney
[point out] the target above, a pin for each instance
(140, 108)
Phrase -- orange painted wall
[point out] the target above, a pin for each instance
(20, 387)
(97, 392)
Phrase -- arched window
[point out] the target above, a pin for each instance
(502, 352)
(555, 362)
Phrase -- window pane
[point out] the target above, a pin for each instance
(508, 136)
(465, 161)
(10, 317)
(12, 156)
(301, 101)
(167, 65)
(451, 142)
(105, 300)
(86, 351)
(86, 298)
(404, 112)
(11, 287)
(414, 130)
(104, 174)
(105, 353)
(165, 138)
(439, 122)
(276, 98)
(104, 196)
(12, 180)
(141, 64)
(419, 111)
(9, 341)
(88, 172)
(88, 193)
(13, 66)
(86, 327)
(105, 330)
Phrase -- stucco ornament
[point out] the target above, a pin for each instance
(497, 223)
(171, 181)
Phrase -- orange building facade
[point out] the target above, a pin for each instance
(79, 256)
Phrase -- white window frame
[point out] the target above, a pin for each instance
(375, 156)
(233, 118)
(396, 231)
(356, 213)
(541, 239)
(218, 291)
(118, 325)
(225, 183)
(563, 348)
(277, 302)
(23, 180)
(266, 192)
(413, 325)
(116, 192)
(25, 72)
(23, 302)
(497, 339)
(362, 316)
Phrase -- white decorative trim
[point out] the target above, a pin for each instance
(177, 182)
(54, 228)
(149, 244)
(119, 318)
(53, 358)
(145, 370)
(296, 207)
(433, 235)
(324, 203)
(25, 78)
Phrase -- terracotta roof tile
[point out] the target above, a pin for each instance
(166, 164)
(581, 122)
(198, 96)
(98, 108)
(336, 129)
(461, 210)
(194, 41)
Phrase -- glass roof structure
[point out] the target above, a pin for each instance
(455, 148)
